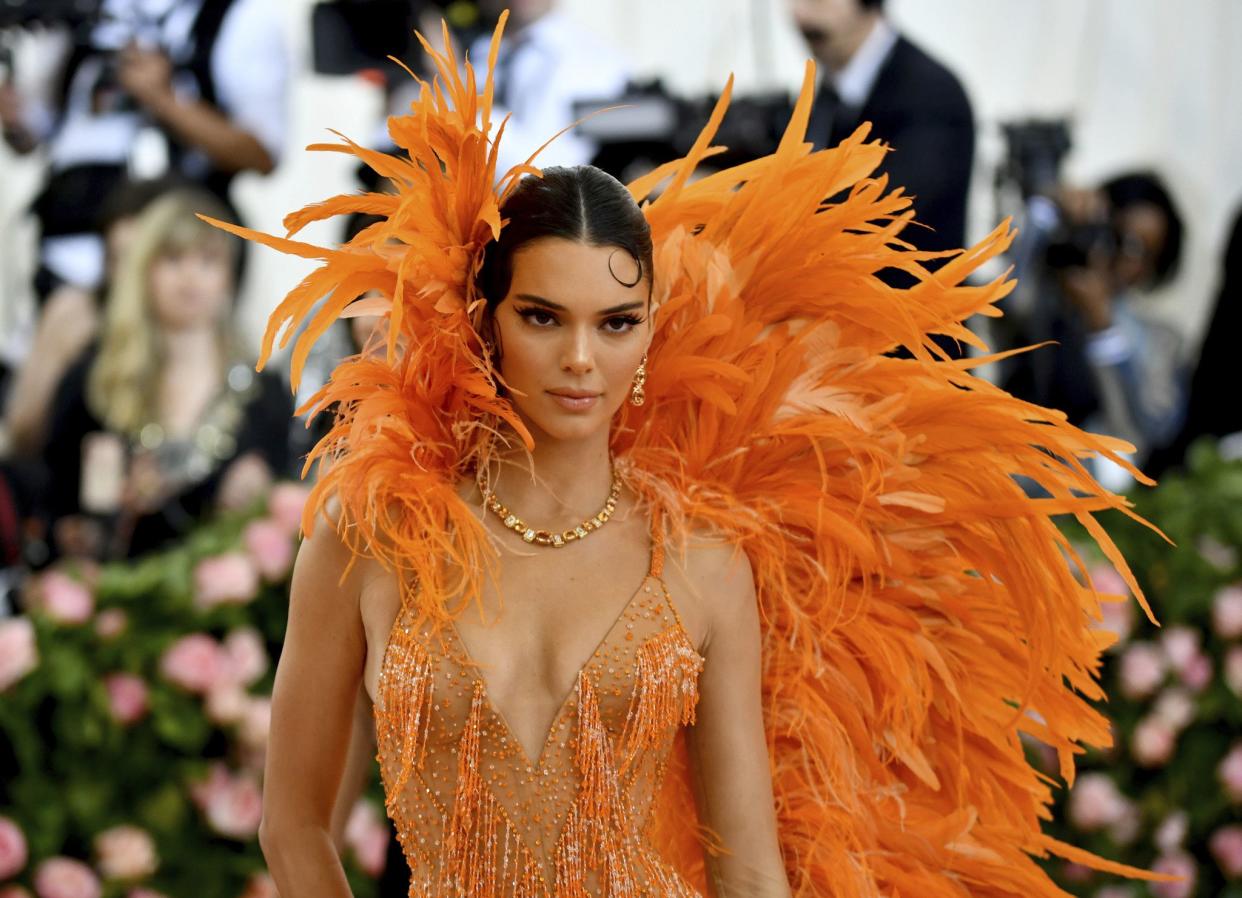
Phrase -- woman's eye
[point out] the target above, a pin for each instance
(621, 323)
(537, 317)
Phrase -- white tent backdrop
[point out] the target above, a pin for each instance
(1147, 84)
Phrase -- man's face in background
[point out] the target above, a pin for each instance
(833, 29)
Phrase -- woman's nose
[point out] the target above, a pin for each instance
(578, 355)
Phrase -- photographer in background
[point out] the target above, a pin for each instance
(192, 87)
(1086, 256)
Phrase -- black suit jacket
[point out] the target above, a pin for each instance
(918, 107)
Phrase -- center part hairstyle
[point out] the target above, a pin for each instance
(919, 611)
(582, 203)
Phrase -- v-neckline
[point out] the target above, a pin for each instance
(481, 680)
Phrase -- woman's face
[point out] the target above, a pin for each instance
(1142, 229)
(571, 335)
(191, 287)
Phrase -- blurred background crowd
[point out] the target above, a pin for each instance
(144, 463)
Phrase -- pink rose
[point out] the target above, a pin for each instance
(226, 703)
(270, 548)
(1217, 554)
(1095, 802)
(1178, 863)
(13, 851)
(1107, 581)
(256, 721)
(260, 886)
(1152, 743)
(1171, 832)
(232, 805)
(195, 663)
(1226, 846)
(64, 599)
(1117, 617)
(246, 656)
(125, 852)
(1075, 872)
(18, 653)
(228, 579)
(62, 877)
(127, 697)
(1229, 772)
(285, 503)
(1233, 669)
(144, 893)
(1175, 708)
(1227, 612)
(367, 837)
(110, 623)
(203, 792)
(1142, 670)
(1181, 645)
(1197, 673)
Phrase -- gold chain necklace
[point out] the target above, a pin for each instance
(548, 537)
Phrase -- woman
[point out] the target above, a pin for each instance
(662, 574)
(162, 420)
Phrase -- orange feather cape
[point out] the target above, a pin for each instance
(919, 610)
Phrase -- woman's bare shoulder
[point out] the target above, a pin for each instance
(710, 577)
(330, 549)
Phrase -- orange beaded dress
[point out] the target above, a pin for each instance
(919, 611)
(476, 816)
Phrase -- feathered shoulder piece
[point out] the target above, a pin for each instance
(919, 609)
(411, 422)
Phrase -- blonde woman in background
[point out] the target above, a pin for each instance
(163, 419)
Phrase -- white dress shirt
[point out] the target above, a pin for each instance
(855, 81)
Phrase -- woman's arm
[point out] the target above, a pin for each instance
(728, 746)
(358, 766)
(313, 705)
(66, 327)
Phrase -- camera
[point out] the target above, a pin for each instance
(652, 126)
(348, 36)
(1035, 150)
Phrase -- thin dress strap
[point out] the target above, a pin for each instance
(657, 544)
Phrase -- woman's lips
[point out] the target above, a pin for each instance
(574, 400)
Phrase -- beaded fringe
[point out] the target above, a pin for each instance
(406, 694)
(483, 854)
(665, 693)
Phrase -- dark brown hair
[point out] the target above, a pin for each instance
(581, 203)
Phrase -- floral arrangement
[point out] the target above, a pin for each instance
(134, 710)
(1168, 793)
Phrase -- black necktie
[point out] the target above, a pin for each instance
(823, 111)
(832, 120)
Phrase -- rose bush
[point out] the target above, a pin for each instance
(134, 706)
(1167, 794)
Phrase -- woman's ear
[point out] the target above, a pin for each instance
(489, 333)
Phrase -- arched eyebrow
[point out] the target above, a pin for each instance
(557, 307)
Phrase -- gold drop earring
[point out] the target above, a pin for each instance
(637, 396)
